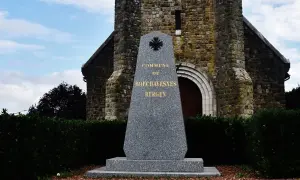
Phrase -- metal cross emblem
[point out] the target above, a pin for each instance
(156, 44)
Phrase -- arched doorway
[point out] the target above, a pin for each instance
(191, 98)
(204, 84)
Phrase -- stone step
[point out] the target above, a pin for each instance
(185, 165)
(103, 173)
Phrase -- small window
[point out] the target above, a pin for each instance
(178, 19)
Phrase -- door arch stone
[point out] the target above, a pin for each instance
(199, 77)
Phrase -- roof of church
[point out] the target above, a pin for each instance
(282, 58)
(110, 37)
(265, 41)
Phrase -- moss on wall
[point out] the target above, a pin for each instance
(212, 39)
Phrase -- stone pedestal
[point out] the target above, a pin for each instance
(186, 165)
(122, 167)
(155, 140)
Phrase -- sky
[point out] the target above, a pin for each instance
(45, 42)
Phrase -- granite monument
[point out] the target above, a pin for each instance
(155, 140)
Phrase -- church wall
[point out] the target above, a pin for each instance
(233, 84)
(245, 74)
(266, 71)
(159, 16)
(126, 40)
(97, 74)
(196, 45)
(211, 39)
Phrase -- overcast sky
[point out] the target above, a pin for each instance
(45, 42)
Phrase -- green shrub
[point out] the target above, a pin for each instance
(216, 140)
(274, 143)
(33, 147)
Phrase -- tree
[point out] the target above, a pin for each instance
(4, 111)
(64, 101)
(293, 98)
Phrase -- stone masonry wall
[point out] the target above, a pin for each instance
(266, 71)
(198, 35)
(212, 39)
(208, 27)
(96, 75)
(233, 84)
(126, 40)
(196, 44)
(159, 16)
(246, 73)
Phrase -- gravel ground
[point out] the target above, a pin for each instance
(228, 173)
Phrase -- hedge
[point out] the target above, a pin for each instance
(216, 140)
(35, 146)
(273, 146)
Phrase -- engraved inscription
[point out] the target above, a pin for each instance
(155, 73)
(155, 65)
(156, 83)
(155, 94)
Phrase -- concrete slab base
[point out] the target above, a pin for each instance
(102, 173)
(121, 167)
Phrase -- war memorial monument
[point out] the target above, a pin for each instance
(155, 141)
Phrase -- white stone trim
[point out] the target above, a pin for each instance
(199, 77)
(178, 32)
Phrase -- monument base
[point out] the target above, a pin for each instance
(121, 167)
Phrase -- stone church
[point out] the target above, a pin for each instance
(225, 66)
